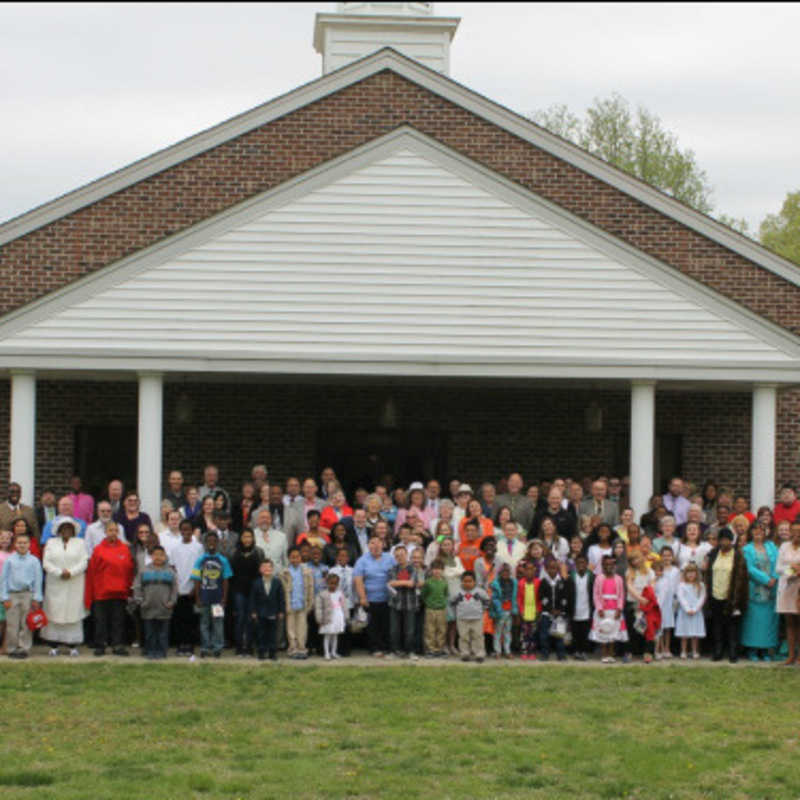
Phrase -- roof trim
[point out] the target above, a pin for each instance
(442, 85)
(375, 150)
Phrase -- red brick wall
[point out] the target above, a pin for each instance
(787, 457)
(489, 430)
(187, 193)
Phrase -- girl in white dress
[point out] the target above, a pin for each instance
(330, 610)
(667, 578)
(691, 598)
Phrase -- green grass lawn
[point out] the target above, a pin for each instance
(112, 730)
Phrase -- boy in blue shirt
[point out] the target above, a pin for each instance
(20, 591)
(211, 574)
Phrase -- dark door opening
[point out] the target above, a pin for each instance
(105, 452)
(368, 457)
(669, 459)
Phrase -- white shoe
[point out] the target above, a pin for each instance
(74, 652)
(328, 656)
(54, 651)
(191, 658)
(668, 655)
(414, 657)
(335, 655)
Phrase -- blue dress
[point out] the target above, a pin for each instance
(760, 624)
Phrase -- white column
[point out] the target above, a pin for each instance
(762, 447)
(643, 431)
(148, 479)
(23, 433)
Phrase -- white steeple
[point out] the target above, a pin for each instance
(358, 29)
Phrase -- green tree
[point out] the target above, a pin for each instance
(781, 232)
(635, 142)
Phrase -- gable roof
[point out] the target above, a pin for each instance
(522, 287)
(437, 83)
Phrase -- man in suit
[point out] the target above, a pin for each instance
(522, 509)
(13, 509)
(46, 508)
(599, 506)
(295, 519)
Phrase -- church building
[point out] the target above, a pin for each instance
(388, 272)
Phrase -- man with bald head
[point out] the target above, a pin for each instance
(522, 509)
(562, 519)
(65, 514)
(598, 505)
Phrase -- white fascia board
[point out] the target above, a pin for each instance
(437, 83)
(409, 139)
(246, 363)
(322, 21)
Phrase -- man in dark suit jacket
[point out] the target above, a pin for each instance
(562, 519)
(267, 608)
(46, 508)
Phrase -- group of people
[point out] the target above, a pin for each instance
(561, 567)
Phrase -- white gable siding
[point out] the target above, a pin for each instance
(400, 258)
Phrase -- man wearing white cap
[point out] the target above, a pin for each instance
(463, 496)
(522, 509)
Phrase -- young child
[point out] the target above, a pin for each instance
(690, 625)
(582, 591)
(343, 569)
(435, 594)
(155, 591)
(535, 555)
(453, 570)
(403, 582)
(211, 574)
(269, 605)
(20, 591)
(184, 556)
(298, 587)
(555, 603)
(319, 571)
(330, 608)
(417, 559)
(665, 587)
(469, 605)
(608, 623)
(503, 610)
(528, 607)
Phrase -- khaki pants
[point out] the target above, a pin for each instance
(18, 634)
(470, 637)
(296, 631)
(435, 629)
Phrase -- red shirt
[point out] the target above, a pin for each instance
(328, 518)
(110, 573)
(788, 513)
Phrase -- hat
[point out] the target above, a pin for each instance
(36, 620)
(416, 486)
(725, 533)
(464, 488)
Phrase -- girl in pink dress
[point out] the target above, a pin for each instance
(608, 625)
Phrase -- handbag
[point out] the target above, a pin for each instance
(559, 627)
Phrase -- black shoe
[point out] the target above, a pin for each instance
(217, 653)
(262, 656)
(273, 656)
(99, 651)
(717, 657)
(121, 651)
(203, 654)
(733, 659)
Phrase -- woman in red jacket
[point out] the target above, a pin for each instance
(335, 511)
(108, 586)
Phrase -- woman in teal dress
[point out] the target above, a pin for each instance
(760, 625)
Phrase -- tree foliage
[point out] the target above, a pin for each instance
(636, 142)
(781, 232)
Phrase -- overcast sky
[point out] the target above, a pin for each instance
(89, 88)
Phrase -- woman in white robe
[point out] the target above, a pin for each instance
(65, 561)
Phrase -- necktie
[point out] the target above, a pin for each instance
(599, 507)
(468, 596)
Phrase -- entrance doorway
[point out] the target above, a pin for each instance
(105, 452)
(366, 457)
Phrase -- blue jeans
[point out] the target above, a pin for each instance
(212, 631)
(243, 626)
(402, 621)
(545, 621)
(156, 637)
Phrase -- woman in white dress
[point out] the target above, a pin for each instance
(65, 561)
(788, 601)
